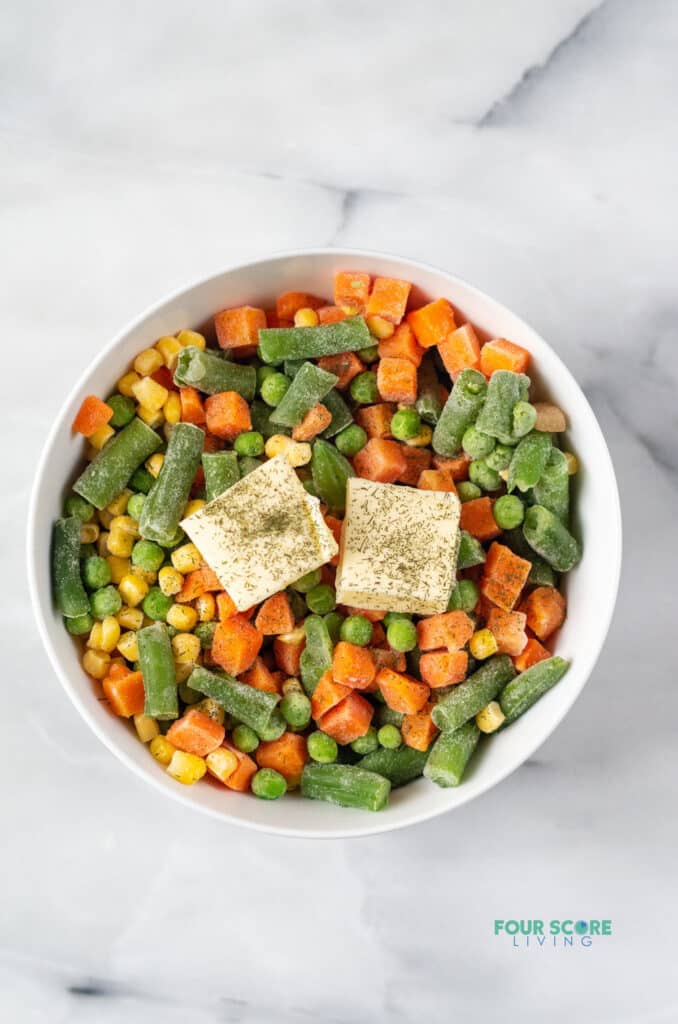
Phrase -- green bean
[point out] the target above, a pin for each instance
(261, 420)
(276, 344)
(428, 403)
(157, 668)
(331, 471)
(346, 785)
(553, 487)
(166, 500)
(247, 463)
(316, 656)
(341, 415)
(471, 551)
(309, 387)
(450, 754)
(398, 766)
(248, 705)
(467, 698)
(541, 574)
(504, 391)
(460, 412)
(291, 367)
(108, 473)
(529, 461)
(211, 373)
(221, 472)
(274, 728)
(523, 691)
(551, 539)
(69, 592)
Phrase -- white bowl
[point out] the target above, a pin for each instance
(591, 587)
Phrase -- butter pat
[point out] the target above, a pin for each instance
(398, 548)
(262, 534)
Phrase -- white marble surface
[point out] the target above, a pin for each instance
(529, 147)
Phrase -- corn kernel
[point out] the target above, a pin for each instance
(130, 618)
(170, 581)
(291, 685)
(182, 670)
(182, 617)
(161, 749)
(221, 763)
(99, 438)
(120, 543)
(193, 506)
(192, 338)
(95, 663)
(483, 644)
(490, 717)
(89, 533)
(147, 362)
(147, 575)
(186, 768)
(132, 589)
(110, 634)
(350, 310)
(149, 394)
(305, 318)
(212, 709)
(186, 648)
(169, 348)
(94, 638)
(126, 525)
(147, 728)
(186, 558)
(504, 474)
(119, 567)
(277, 444)
(150, 417)
(167, 429)
(380, 328)
(206, 607)
(105, 518)
(128, 646)
(125, 383)
(572, 463)
(102, 544)
(118, 506)
(297, 453)
(171, 410)
(154, 464)
(422, 439)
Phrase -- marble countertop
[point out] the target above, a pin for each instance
(529, 148)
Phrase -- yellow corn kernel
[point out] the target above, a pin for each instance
(186, 648)
(167, 429)
(380, 328)
(147, 728)
(277, 444)
(572, 463)
(130, 618)
(490, 717)
(110, 634)
(99, 438)
(193, 506)
(149, 576)
(102, 544)
(125, 383)
(169, 348)
(186, 768)
(192, 338)
(132, 589)
(94, 638)
(120, 543)
(149, 394)
(171, 410)
(161, 749)
(186, 558)
(154, 464)
(422, 439)
(95, 663)
(119, 567)
(306, 317)
(291, 685)
(482, 644)
(350, 310)
(206, 607)
(128, 646)
(212, 709)
(126, 525)
(297, 453)
(182, 617)
(89, 533)
(118, 506)
(105, 518)
(147, 362)
(150, 417)
(221, 763)
(170, 581)
(182, 670)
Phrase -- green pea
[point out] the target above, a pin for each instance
(500, 457)
(309, 487)
(508, 511)
(524, 418)
(307, 582)
(406, 423)
(402, 635)
(356, 629)
(334, 621)
(370, 354)
(350, 440)
(268, 784)
(389, 736)
(466, 491)
(322, 748)
(464, 597)
(78, 507)
(135, 505)
(476, 444)
(205, 634)
(364, 388)
(123, 408)
(156, 604)
(274, 388)
(79, 625)
(321, 599)
(96, 572)
(106, 601)
(394, 616)
(141, 480)
(366, 744)
(147, 555)
(251, 442)
(263, 373)
(296, 709)
(481, 475)
(245, 739)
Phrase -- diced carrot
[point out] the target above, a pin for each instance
(388, 299)
(380, 460)
(477, 519)
(236, 644)
(289, 303)
(545, 609)
(330, 314)
(532, 653)
(228, 415)
(448, 629)
(286, 755)
(91, 416)
(326, 695)
(376, 419)
(457, 466)
(239, 327)
(192, 409)
(196, 583)
(501, 354)
(225, 606)
(163, 375)
(313, 423)
(117, 669)
(287, 650)
(436, 480)
(397, 380)
(508, 629)
(344, 365)
(240, 779)
(275, 615)
(196, 733)
(367, 613)
(125, 692)
(388, 658)
(260, 677)
(334, 525)
(417, 461)
(432, 323)
(418, 729)
(443, 668)
(351, 288)
(273, 320)
(460, 350)
(402, 345)
(353, 666)
(504, 576)
(401, 692)
(348, 720)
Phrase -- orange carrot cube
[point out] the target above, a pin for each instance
(289, 303)
(457, 466)
(397, 380)
(432, 323)
(460, 350)
(402, 345)
(326, 695)
(125, 691)
(504, 576)
(91, 416)
(401, 692)
(236, 644)
(275, 615)
(477, 519)
(240, 779)
(380, 460)
(228, 415)
(353, 666)
(417, 460)
(286, 755)
(501, 354)
(196, 733)
(225, 606)
(376, 419)
(351, 288)
(436, 480)
(348, 720)
(448, 629)
(192, 409)
(508, 629)
(239, 327)
(443, 668)
(287, 651)
(344, 365)
(418, 729)
(532, 653)
(314, 422)
(330, 314)
(261, 677)
(388, 299)
(545, 609)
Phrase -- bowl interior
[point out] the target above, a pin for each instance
(591, 587)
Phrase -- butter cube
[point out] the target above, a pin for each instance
(398, 548)
(262, 534)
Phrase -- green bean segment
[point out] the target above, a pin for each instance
(157, 668)
(526, 689)
(69, 592)
(460, 412)
(211, 373)
(466, 699)
(450, 755)
(108, 473)
(346, 785)
(309, 387)
(247, 705)
(221, 472)
(276, 344)
(551, 539)
(166, 500)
